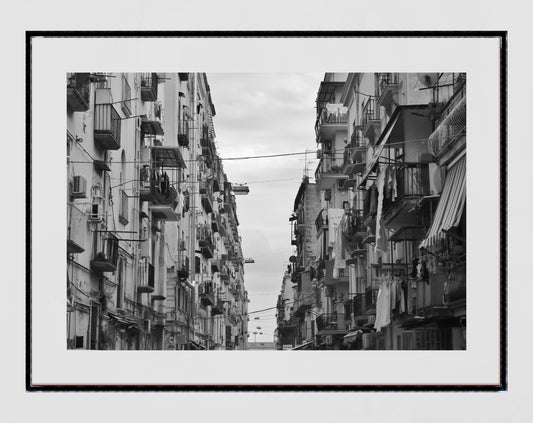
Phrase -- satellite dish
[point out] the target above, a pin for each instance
(428, 79)
(293, 259)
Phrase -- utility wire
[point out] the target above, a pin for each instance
(260, 156)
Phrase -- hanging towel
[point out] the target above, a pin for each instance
(382, 306)
(334, 220)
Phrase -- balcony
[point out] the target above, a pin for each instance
(302, 303)
(455, 287)
(205, 241)
(330, 118)
(105, 260)
(449, 135)
(107, 125)
(321, 221)
(147, 285)
(78, 92)
(77, 226)
(159, 179)
(217, 308)
(370, 120)
(149, 83)
(329, 279)
(388, 86)
(412, 183)
(206, 197)
(353, 229)
(215, 222)
(327, 174)
(331, 324)
(206, 294)
(183, 266)
(183, 132)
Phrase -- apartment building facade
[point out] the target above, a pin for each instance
(149, 215)
(392, 224)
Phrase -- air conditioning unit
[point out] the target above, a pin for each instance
(79, 187)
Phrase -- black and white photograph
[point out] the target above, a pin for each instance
(266, 211)
(238, 215)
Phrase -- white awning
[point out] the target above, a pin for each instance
(451, 204)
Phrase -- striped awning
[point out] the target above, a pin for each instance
(451, 204)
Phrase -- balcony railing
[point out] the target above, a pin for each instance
(330, 118)
(206, 294)
(183, 266)
(157, 188)
(386, 82)
(183, 132)
(327, 172)
(207, 197)
(78, 91)
(107, 125)
(327, 321)
(451, 124)
(147, 285)
(353, 228)
(370, 112)
(105, 259)
(149, 83)
(412, 180)
(205, 240)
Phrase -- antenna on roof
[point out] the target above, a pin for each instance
(306, 169)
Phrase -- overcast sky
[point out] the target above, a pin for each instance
(262, 114)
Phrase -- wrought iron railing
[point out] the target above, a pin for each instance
(385, 80)
(370, 111)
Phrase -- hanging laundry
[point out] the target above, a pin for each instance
(338, 252)
(381, 236)
(403, 296)
(382, 306)
(414, 271)
(334, 220)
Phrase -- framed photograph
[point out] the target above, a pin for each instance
(228, 197)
